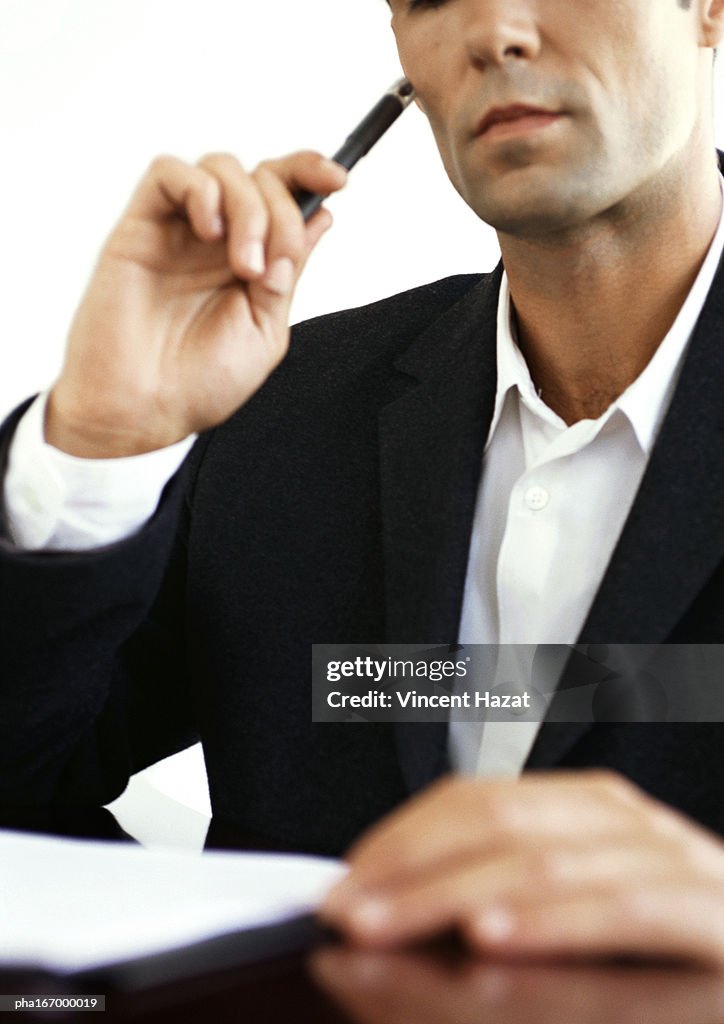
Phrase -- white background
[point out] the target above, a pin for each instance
(92, 90)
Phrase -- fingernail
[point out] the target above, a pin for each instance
(496, 925)
(252, 256)
(280, 277)
(217, 225)
(371, 915)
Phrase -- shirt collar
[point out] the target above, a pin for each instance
(646, 400)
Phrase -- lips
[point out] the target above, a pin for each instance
(518, 115)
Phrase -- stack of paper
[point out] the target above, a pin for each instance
(70, 905)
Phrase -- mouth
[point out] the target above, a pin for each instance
(517, 119)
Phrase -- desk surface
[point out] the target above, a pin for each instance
(331, 982)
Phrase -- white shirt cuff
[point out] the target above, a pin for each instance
(55, 501)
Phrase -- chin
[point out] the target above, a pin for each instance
(534, 221)
(529, 211)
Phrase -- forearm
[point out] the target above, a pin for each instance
(88, 648)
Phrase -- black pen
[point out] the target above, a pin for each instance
(360, 142)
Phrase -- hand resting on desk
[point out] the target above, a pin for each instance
(564, 864)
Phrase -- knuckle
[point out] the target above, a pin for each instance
(299, 157)
(463, 792)
(447, 782)
(266, 167)
(162, 164)
(220, 162)
(305, 159)
(619, 894)
(640, 905)
(469, 927)
(662, 822)
(611, 785)
(265, 176)
(548, 865)
(699, 858)
(308, 157)
(500, 817)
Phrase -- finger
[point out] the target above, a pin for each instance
(286, 245)
(309, 171)
(288, 236)
(172, 187)
(245, 213)
(425, 907)
(683, 922)
(289, 240)
(420, 903)
(461, 817)
(268, 241)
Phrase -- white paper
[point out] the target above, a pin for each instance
(70, 905)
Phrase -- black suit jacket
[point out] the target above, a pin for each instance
(337, 506)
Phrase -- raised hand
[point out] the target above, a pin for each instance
(186, 314)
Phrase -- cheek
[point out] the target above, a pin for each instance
(441, 133)
(436, 77)
(432, 104)
(648, 74)
(654, 104)
(428, 58)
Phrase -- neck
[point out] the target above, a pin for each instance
(593, 303)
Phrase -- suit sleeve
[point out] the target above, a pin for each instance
(93, 680)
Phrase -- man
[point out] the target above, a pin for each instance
(344, 501)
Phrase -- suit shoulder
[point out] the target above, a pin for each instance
(389, 321)
(343, 358)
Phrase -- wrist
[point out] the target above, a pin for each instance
(86, 434)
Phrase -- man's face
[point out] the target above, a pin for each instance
(587, 101)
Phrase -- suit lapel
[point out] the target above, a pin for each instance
(431, 445)
(673, 539)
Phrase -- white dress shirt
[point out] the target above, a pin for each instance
(57, 502)
(551, 505)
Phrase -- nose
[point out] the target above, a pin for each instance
(501, 30)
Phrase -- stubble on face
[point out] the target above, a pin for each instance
(623, 107)
(531, 183)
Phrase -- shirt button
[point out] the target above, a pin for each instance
(536, 498)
